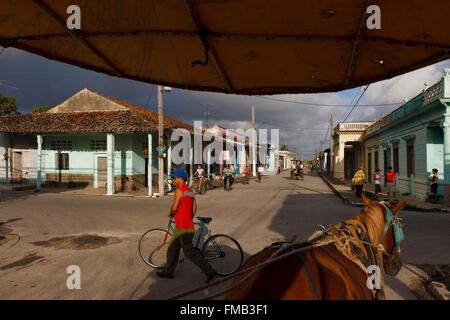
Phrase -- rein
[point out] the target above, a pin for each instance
(392, 220)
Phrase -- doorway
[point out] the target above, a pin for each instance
(102, 171)
(16, 167)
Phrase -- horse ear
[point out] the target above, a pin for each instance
(396, 208)
(365, 199)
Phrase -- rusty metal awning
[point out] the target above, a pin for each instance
(240, 46)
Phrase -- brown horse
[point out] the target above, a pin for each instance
(334, 263)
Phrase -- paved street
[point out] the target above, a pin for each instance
(255, 215)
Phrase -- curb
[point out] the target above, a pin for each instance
(415, 208)
(333, 188)
(438, 290)
(370, 193)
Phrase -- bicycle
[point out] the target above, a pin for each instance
(200, 185)
(223, 252)
(125, 185)
(168, 183)
(228, 180)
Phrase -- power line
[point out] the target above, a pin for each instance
(300, 129)
(353, 100)
(329, 105)
(359, 99)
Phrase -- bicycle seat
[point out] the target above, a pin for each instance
(205, 220)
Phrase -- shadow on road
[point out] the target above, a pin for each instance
(7, 196)
(187, 277)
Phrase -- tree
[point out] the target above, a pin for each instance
(8, 105)
(284, 147)
(42, 109)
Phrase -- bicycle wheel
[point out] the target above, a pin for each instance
(203, 189)
(153, 247)
(223, 253)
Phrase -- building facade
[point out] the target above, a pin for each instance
(414, 139)
(93, 141)
(87, 141)
(285, 158)
(348, 151)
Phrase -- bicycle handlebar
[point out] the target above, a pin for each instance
(197, 222)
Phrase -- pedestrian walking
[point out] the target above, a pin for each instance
(434, 180)
(391, 181)
(376, 182)
(183, 210)
(260, 172)
(246, 173)
(359, 179)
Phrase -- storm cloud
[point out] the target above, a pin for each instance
(36, 81)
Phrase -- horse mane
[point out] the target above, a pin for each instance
(374, 218)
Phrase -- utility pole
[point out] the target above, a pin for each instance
(160, 142)
(254, 142)
(331, 146)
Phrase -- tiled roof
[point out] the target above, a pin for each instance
(136, 120)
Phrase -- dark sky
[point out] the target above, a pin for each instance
(38, 81)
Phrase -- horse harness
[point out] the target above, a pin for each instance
(352, 239)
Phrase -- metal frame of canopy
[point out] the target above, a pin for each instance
(206, 36)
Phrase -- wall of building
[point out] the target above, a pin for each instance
(339, 151)
(139, 154)
(83, 159)
(428, 153)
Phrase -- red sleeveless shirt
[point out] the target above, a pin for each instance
(390, 176)
(183, 217)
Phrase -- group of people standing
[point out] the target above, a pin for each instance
(229, 172)
(359, 179)
(297, 170)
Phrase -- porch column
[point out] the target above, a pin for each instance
(110, 141)
(191, 162)
(8, 165)
(169, 157)
(272, 168)
(39, 163)
(209, 162)
(150, 166)
(446, 129)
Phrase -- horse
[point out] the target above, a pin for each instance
(333, 264)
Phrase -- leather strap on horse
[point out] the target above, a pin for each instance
(310, 278)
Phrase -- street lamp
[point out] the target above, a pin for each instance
(161, 147)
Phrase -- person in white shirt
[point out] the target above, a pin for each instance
(260, 172)
(199, 172)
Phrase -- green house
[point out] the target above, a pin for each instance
(88, 140)
(414, 139)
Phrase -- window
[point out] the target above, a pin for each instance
(98, 145)
(62, 161)
(395, 156)
(61, 145)
(410, 157)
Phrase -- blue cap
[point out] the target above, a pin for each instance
(180, 174)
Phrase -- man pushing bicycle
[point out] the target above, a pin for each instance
(182, 211)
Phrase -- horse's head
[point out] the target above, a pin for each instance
(392, 235)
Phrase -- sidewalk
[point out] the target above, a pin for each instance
(343, 190)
